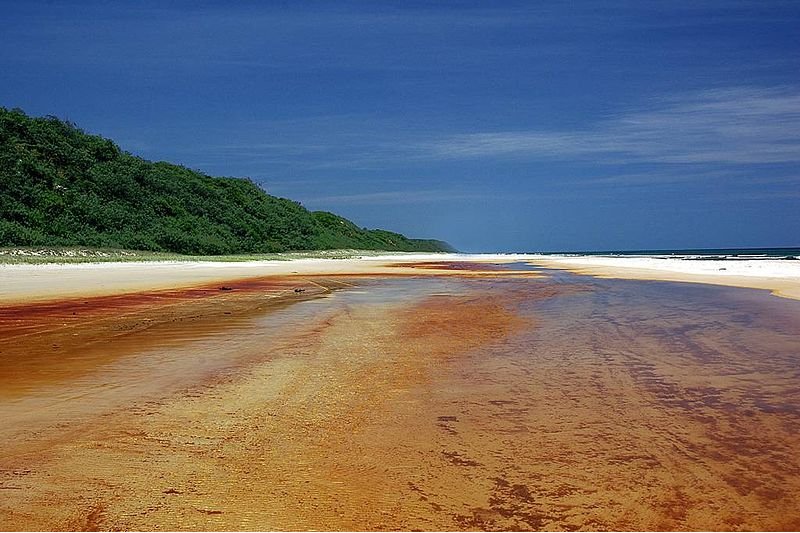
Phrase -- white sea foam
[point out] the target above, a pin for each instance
(762, 268)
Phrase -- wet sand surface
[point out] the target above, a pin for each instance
(564, 402)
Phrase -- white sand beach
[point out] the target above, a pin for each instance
(781, 277)
(28, 283)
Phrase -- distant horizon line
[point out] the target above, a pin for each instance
(650, 250)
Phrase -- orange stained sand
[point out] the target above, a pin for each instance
(455, 265)
(21, 318)
(439, 414)
(45, 342)
(467, 268)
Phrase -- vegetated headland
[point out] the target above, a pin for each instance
(61, 187)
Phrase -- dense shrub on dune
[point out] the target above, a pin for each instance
(62, 187)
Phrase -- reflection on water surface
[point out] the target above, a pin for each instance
(434, 403)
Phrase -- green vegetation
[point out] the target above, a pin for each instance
(60, 187)
(72, 255)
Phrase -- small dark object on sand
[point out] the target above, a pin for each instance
(226, 288)
(299, 290)
(209, 511)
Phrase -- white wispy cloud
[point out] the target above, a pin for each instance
(738, 125)
(713, 135)
(648, 179)
(759, 196)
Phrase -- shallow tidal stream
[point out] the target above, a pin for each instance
(561, 402)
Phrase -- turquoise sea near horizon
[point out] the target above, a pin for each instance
(791, 253)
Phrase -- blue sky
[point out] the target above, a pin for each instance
(497, 126)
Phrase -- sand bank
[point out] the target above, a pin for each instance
(781, 277)
(30, 283)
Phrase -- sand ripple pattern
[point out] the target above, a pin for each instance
(560, 403)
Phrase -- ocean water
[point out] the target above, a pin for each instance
(698, 254)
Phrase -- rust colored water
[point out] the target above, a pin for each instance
(420, 403)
